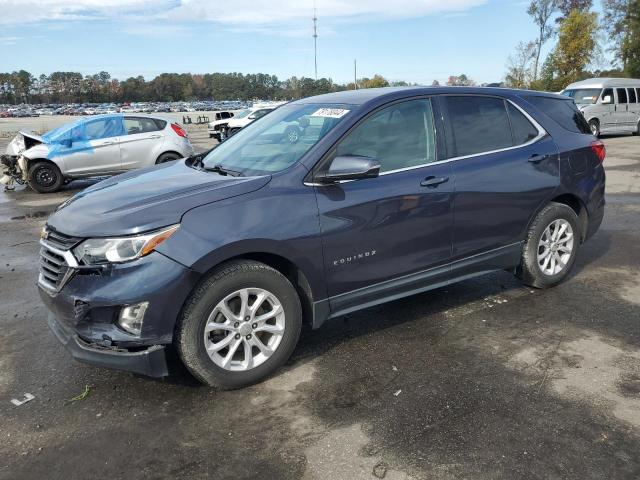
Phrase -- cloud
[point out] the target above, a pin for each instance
(9, 40)
(251, 14)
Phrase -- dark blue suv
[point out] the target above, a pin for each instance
(325, 206)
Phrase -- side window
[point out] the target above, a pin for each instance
(632, 96)
(478, 124)
(622, 95)
(103, 128)
(523, 130)
(564, 112)
(607, 92)
(638, 94)
(260, 113)
(398, 136)
(133, 125)
(225, 115)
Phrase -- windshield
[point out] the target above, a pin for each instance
(59, 132)
(584, 96)
(277, 140)
(242, 114)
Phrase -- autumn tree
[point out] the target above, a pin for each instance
(576, 45)
(460, 81)
(567, 6)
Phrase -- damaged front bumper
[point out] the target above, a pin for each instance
(84, 313)
(150, 361)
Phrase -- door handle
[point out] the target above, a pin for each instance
(432, 182)
(537, 158)
(155, 136)
(108, 142)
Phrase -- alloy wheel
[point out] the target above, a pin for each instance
(244, 329)
(555, 247)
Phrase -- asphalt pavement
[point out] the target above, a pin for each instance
(485, 379)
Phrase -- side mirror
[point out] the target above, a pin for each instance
(66, 142)
(252, 116)
(350, 167)
(607, 100)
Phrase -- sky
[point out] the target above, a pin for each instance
(412, 40)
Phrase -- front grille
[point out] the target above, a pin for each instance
(57, 263)
(53, 268)
(60, 240)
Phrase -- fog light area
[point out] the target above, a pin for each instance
(131, 318)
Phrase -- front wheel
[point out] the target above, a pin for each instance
(239, 326)
(45, 177)
(551, 247)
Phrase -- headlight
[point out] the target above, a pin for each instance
(95, 251)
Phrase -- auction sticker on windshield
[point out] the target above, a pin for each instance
(330, 112)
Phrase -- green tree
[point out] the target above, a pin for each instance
(631, 44)
(567, 6)
(460, 81)
(576, 44)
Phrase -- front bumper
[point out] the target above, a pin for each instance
(150, 361)
(84, 313)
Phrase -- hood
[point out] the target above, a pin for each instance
(146, 199)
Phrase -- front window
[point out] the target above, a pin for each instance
(278, 140)
(242, 113)
(584, 96)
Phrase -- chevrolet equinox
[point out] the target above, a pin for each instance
(324, 206)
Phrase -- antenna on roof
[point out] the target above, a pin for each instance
(315, 39)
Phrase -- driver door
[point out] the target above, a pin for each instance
(381, 235)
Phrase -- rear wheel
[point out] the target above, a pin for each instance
(239, 326)
(551, 247)
(167, 157)
(594, 125)
(45, 177)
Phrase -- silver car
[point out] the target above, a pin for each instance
(610, 105)
(96, 146)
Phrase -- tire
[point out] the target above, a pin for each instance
(232, 131)
(167, 157)
(594, 125)
(221, 288)
(532, 265)
(637, 132)
(45, 177)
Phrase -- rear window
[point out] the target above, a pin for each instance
(632, 96)
(478, 124)
(563, 112)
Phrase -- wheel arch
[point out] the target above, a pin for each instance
(575, 203)
(168, 151)
(293, 272)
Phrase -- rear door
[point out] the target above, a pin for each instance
(505, 167)
(387, 228)
(139, 147)
(624, 118)
(94, 149)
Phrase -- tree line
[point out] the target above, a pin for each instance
(72, 87)
(573, 27)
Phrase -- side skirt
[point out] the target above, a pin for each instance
(387, 291)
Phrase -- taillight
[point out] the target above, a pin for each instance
(179, 130)
(599, 149)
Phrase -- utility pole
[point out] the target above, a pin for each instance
(315, 39)
(355, 74)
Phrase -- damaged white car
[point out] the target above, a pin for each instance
(96, 146)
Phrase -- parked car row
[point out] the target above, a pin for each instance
(8, 111)
(207, 257)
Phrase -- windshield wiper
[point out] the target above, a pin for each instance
(222, 170)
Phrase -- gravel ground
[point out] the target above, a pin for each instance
(485, 379)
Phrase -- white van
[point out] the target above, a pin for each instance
(610, 105)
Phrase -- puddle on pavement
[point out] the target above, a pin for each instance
(33, 215)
